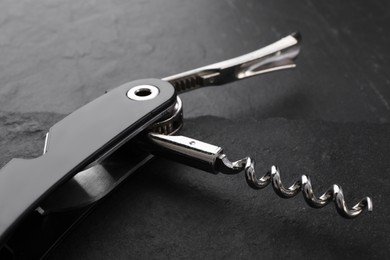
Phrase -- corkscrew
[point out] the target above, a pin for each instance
(95, 148)
(211, 158)
(280, 55)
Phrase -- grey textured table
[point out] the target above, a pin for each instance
(328, 118)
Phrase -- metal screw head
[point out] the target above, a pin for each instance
(143, 92)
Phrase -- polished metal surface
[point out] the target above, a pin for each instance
(92, 184)
(173, 123)
(192, 152)
(143, 92)
(334, 193)
(210, 158)
(276, 56)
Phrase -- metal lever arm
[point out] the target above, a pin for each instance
(276, 56)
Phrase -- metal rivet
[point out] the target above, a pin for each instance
(143, 92)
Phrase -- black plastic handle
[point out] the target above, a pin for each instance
(88, 133)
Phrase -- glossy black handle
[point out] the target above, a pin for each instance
(88, 133)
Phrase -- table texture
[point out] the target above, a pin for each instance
(328, 118)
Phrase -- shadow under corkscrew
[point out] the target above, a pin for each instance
(334, 193)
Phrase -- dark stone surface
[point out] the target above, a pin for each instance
(23, 135)
(327, 118)
(57, 55)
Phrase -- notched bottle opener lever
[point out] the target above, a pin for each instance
(91, 151)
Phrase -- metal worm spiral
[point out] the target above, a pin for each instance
(211, 158)
(334, 193)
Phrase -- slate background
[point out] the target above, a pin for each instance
(327, 118)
